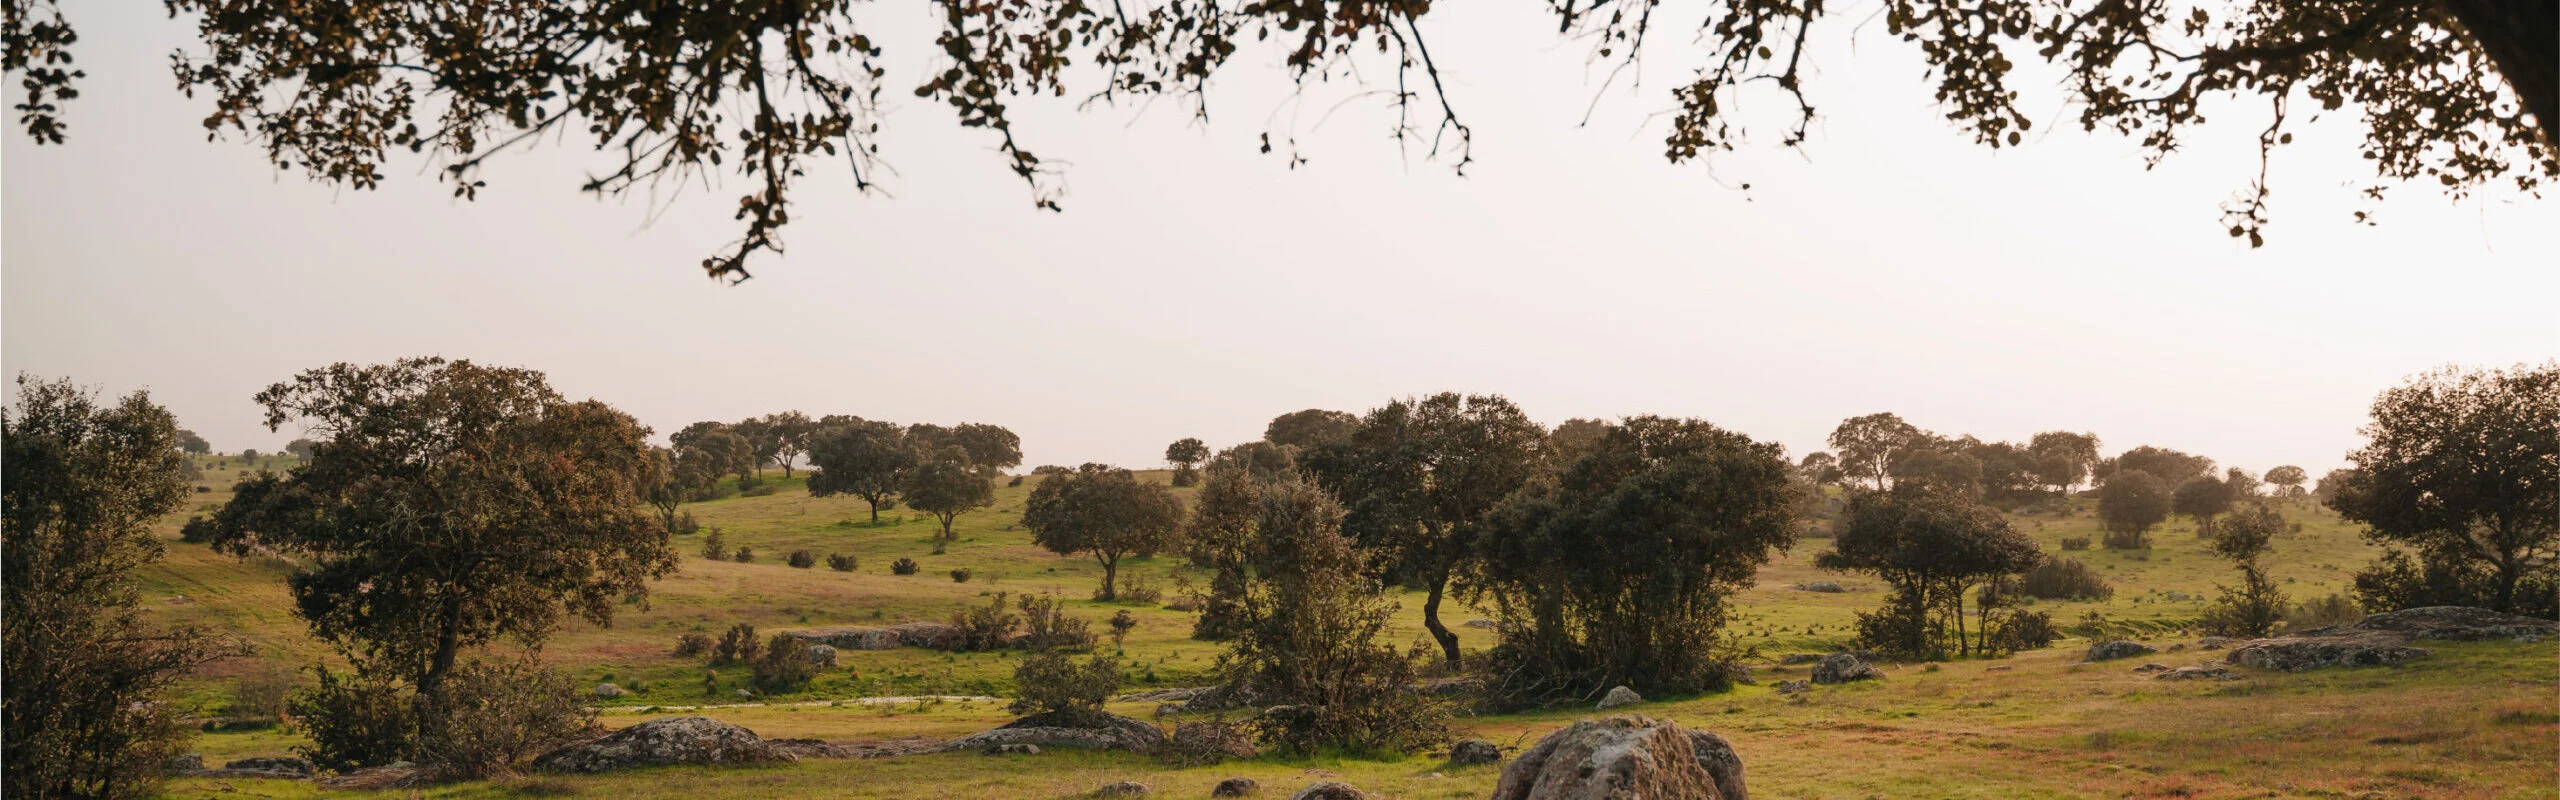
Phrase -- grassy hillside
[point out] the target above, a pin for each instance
(2477, 717)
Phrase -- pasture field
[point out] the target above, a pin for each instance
(2474, 721)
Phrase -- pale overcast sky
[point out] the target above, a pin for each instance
(1196, 288)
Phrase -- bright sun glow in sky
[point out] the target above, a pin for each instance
(1195, 287)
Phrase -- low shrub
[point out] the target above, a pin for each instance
(2322, 612)
(686, 525)
(960, 575)
(692, 645)
(758, 490)
(842, 563)
(2065, 579)
(198, 530)
(987, 627)
(1017, 481)
(2075, 543)
(353, 721)
(2023, 631)
(1139, 590)
(784, 666)
(738, 646)
(1046, 626)
(714, 546)
(1121, 624)
(903, 566)
(487, 716)
(1050, 683)
(802, 559)
(744, 555)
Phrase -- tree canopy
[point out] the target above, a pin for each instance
(2130, 504)
(1932, 546)
(1310, 428)
(2464, 468)
(1103, 511)
(1867, 445)
(2461, 93)
(868, 459)
(946, 484)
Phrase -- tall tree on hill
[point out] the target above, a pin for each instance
(692, 434)
(2063, 458)
(1419, 476)
(945, 484)
(1185, 454)
(790, 431)
(191, 444)
(1932, 546)
(764, 442)
(301, 448)
(2459, 93)
(84, 711)
(2203, 499)
(1105, 512)
(1263, 461)
(2288, 479)
(668, 490)
(868, 459)
(993, 448)
(2130, 504)
(2463, 467)
(451, 504)
(1868, 445)
(2253, 609)
(1218, 536)
(1819, 468)
(1619, 568)
(2170, 466)
(1310, 429)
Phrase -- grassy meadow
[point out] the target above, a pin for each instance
(2475, 721)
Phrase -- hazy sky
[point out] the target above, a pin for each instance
(1197, 288)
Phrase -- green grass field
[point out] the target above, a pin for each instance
(2473, 722)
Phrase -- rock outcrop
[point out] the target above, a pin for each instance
(1843, 668)
(1330, 790)
(2316, 650)
(1210, 742)
(2110, 651)
(1474, 751)
(1097, 731)
(672, 740)
(1620, 697)
(2452, 624)
(1625, 756)
(284, 765)
(1236, 787)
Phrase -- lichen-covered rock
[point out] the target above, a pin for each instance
(1792, 687)
(1220, 698)
(2110, 651)
(1843, 668)
(1485, 624)
(2212, 642)
(822, 656)
(1330, 790)
(609, 691)
(2347, 648)
(1793, 659)
(672, 740)
(1090, 731)
(1122, 789)
(2197, 672)
(1625, 756)
(290, 765)
(1236, 787)
(929, 635)
(1474, 751)
(1620, 697)
(2453, 624)
(1825, 587)
(1014, 750)
(2150, 668)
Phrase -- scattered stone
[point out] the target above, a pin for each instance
(1843, 668)
(1161, 695)
(1792, 687)
(1329, 790)
(2212, 642)
(1236, 787)
(672, 740)
(397, 775)
(1096, 731)
(1014, 750)
(822, 656)
(1999, 668)
(2178, 648)
(1219, 698)
(183, 762)
(1485, 624)
(1793, 659)
(2150, 668)
(2346, 648)
(1474, 751)
(2110, 651)
(1620, 696)
(1122, 789)
(609, 691)
(2197, 672)
(1622, 757)
(744, 694)
(291, 765)
(1164, 710)
(816, 748)
(1825, 587)
(2181, 596)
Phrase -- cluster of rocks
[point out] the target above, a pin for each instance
(2110, 651)
(673, 740)
(2384, 638)
(1843, 668)
(1825, 587)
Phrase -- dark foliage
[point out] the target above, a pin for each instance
(2459, 471)
(783, 666)
(1105, 512)
(2130, 504)
(1048, 682)
(1932, 546)
(2253, 608)
(904, 566)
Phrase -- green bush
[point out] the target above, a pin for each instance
(904, 566)
(842, 563)
(692, 644)
(714, 546)
(2075, 543)
(2065, 579)
(487, 716)
(1050, 683)
(1046, 625)
(802, 559)
(2322, 612)
(784, 666)
(985, 628)
(354, 721)
(737, 646)
(744, 555)
(961, 575)
(198, 530)
(758, 490)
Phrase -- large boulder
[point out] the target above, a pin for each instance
(1236, 787)
(1620, 697)
(1330, 790)
(1474, 751)
(1220, 698)
(607, 691)
(1122, 789)
(822, 656)
(2110, 651)
(2342, 648)
(1625, 756)
(672, 740)
(1843, 668)
(1094, 731)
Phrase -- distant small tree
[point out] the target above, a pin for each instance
(2063, 458)
(1576, 438)
(2202, 499)
(665, 490)
(2459, 468)
(1185, 454)
(1121, 624)
(249, 458)
(945, 484)
(1103, 511)
(2254, 607)
(84, 708)
(2330, 482)
(868, 459)
(2130, 504)
(1868, 445)
(1933, 547)
(2241, 485)
(191, 444)
(1820, 469)
(1310, 428)
(1262, 461)
(992, 448)
(1219, 536)
(2170, 466)
(2289, 480)
(790, 431)
(301, 448)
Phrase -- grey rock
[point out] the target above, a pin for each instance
(1625, 756)
(2150, 668)
(1474, 751)
(2212, 642)
(298, 767)
(1329, 790)
(671, 740)
(2197, 672)
(609, 691)
(1793, 659)
(2453, 624)
(1843, 668)
(1792, 687)
(822, 656)
(2110, 651)
(183, 762)
(1211, 742)
(929, 635)
(1236, 787)
(1093, 732)
(2349, 648)
(1485, 624)
(1619, 697)
(1825, 587)
(1014, 750)
(1122, 789)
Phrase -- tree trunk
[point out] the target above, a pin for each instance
(1431, 614)
(1110, 577)
(943, 541)
(448, 646)
(2522, 37)
(875, 510)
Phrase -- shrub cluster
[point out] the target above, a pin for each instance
(903, 566)
(2075, 543)
(715, 546)
(692, 645)
(744, 555)
(1050, 683)
(960, 575)
(801, 559)
(842, 563)
(2322, 612)
(1046, 626)
(784, 666)
(2065, 579)
(738, 646)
